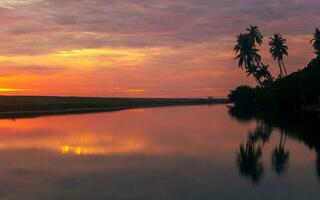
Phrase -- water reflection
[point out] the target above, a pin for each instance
(280, 156)
(249, 156)
(318, 165)
(158, 153)
(261, 133)
(300, 126)
(249, 161)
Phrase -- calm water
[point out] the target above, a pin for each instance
(195, 152)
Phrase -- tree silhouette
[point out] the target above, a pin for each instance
(316, 42)
(255, 35)
(278, 50)
(263, 73)
(248, 55)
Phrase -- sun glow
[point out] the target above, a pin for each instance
(77, 58)
(10, 90)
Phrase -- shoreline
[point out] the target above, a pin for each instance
(36, 106)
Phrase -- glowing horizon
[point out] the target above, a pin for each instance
(141, 48)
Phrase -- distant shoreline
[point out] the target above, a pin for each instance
(36, 106)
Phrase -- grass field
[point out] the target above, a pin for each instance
(26, 106)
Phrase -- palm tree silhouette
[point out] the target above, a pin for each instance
(279, 49)
(247, 55)
(249, 161)
(316, 42)
(249, 58)
(280, 156)
(255, 35)
(263, 73)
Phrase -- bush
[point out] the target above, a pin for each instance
(243, 96)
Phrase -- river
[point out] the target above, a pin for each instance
(184, 152)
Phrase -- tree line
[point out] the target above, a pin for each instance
(250, 60)
(296, 90)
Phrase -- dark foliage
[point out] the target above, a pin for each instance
(316, 42)
(249, 58)
(279, 49)
(243, 96)
(296, 91)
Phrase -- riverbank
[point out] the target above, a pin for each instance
(32, 106)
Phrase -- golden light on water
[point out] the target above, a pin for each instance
(69, 139)
(125, 147)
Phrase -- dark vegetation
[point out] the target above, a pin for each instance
(297, 94)
(25, 106)
(299, 90)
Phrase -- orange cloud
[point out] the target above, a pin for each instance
(87, 48)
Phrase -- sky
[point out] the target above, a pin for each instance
(142, 48)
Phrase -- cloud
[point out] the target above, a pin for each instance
(59, 24)
(185, 43)
(6, 71)
(10, 4)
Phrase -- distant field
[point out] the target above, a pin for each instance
(20, 106)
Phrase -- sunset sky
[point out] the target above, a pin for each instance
(139, 48)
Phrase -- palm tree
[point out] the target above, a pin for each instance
(255, 35)
(279, 49)
(247, 55)
(249, 58)
(263, 75)
(316, 42)
(242, 48)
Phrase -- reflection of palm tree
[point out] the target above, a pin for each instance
(317, 151)
(318, 164)
(280, 156)
(261, 133)
(249, 161)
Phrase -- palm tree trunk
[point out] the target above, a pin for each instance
(281, 72)
(284, 68)
(258, 81)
